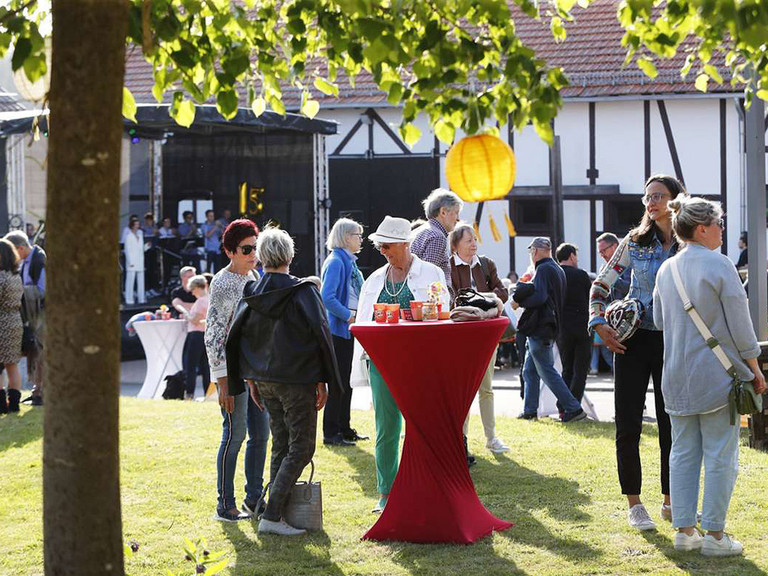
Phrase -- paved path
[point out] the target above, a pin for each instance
(506, 385)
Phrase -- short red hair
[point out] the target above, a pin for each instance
(237, 231)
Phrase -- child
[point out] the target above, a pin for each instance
(196, 358)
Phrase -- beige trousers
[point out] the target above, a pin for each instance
(487, 414)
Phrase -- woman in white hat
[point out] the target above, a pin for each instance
(403, 279)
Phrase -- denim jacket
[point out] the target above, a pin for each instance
(644, 262)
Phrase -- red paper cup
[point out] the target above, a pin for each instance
(380, 313)
(393, 313)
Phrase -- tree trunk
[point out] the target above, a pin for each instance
(81, 489)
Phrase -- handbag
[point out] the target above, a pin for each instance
(742, 399)
(305, 503)
(473, 298)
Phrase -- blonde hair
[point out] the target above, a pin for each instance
(198, 281)
(688, 212)
(274, 247)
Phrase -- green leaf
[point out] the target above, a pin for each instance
(712, 72)
(277, 105)
(157, 92)
(20, 53)
(185, 113)
(310, 108)
(410, 133)
(445, 132)
(763, 95)
(215, 568)
(558, 29)
(226, 103)
(648, 68)
(259, 106)
(701, 82)
(129, 105)
(326, 87)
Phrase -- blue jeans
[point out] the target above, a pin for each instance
(245, 415)
(709, 437)
(540, 365)
(603, 351)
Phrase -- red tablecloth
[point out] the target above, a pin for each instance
(433, 370)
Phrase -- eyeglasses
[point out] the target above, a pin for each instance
(384, 246)
(721, 223)
(654, 198)
(356, 234)
(246, 249)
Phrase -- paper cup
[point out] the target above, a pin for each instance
(380, 313)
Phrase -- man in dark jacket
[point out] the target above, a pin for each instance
(543, 302)
(281, 344)
(574, 340)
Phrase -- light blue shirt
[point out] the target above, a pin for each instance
(693, 380)
(25, 277)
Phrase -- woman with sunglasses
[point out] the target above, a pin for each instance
(696, 385)
(403, 279)
(643, 251)
(239, 412)
(341, 284)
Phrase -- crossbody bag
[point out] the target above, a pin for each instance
(742, 399)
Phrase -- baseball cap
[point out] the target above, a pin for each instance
(541, 242)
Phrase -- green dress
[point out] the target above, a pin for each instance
(389, 421)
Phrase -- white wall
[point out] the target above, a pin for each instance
(619, 145)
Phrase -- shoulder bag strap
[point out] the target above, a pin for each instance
(711, 341)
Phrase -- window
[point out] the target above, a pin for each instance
(532, 216)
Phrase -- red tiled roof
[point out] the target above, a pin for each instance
(592, 57)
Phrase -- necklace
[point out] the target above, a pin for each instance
(396, 294)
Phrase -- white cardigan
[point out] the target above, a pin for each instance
(420, 277)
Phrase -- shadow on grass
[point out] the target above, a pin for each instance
(270, 554)
(694, 563)
(364, 465)
(19, 429)
(561, 498)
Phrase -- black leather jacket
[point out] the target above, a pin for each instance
(280, 334)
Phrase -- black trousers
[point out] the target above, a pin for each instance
(575, 354)
(195, 359)
(642, 360)
(336, 415)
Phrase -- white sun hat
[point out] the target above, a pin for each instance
(392, 230)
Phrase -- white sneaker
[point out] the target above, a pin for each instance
(496, 445)
(685, 542)
(281, 528)
(726, 546)
(639, 518)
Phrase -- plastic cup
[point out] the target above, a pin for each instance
(380, 313)
(417, 310)
(393, 313)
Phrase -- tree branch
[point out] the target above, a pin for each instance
(8, 15)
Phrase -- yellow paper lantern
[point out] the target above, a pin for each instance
(480, 168)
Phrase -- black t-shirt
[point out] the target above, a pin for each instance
(183, 295)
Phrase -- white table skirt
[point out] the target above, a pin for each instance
(163, 342)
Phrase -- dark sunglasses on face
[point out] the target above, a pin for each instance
(247, 248)
(384, 246)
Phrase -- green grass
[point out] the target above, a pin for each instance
(558, 485)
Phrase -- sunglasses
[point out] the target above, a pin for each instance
(721, 223)
(384, 246)
(246, 248)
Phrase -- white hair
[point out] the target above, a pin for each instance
(440, 198)
(274, 247)
(187, 269)
(18, 239)
(198, 281)
(337, 238)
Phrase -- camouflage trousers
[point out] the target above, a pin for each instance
(293, 421)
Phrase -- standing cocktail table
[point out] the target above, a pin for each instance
(433, 370)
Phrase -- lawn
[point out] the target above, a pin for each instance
(558, 485)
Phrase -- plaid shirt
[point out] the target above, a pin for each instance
(431, 245)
